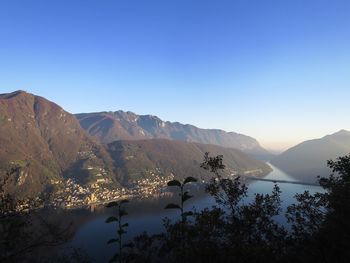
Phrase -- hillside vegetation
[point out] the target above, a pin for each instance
(46, 142)
(134, 158)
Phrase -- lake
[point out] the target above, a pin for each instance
(93, 233)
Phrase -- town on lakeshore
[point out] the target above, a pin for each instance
(76, 195)
(72, 194)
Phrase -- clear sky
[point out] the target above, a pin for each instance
(275, 70)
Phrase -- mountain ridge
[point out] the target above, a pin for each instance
(45, 142)
(119, 125)
(49, 146)
(308, 159)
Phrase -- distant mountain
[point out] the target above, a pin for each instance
(307, 160)
(138, 158)
(46, 142)
(48, 145)
(120, 125)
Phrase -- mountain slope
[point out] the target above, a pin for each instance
(119, 125)
(137, 158)
(307, 160)
(46, 142)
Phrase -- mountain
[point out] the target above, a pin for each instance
(137, 159)
(307, 160)
(46, 143)
(120, 125)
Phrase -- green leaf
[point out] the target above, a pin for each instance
(121, 232)
(174, 183)
(113, 240)
(112, 204)
(123, 212)
(111, 219)
(125, 225)
(190, 180)
(186, 196)
(172, 206)
(189, 213)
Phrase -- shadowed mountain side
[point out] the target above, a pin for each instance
(120, 125)
(46, 142)
(307, 160)
(136, 158)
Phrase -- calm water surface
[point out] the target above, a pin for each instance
(147, 215)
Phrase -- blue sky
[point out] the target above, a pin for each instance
(275, 70)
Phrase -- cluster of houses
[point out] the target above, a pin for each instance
(74, 194)
(151, 185)
(100, 175)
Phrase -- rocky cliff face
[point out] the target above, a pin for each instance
(119, 125)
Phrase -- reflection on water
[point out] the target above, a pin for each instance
(288, 190)
(278, 174)
(147, 215)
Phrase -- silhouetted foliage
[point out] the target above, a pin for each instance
(184, 196)
(321, 225)
(235, 231)
(24, 231)
(121, 229)
(231, 231)
(71, 255)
